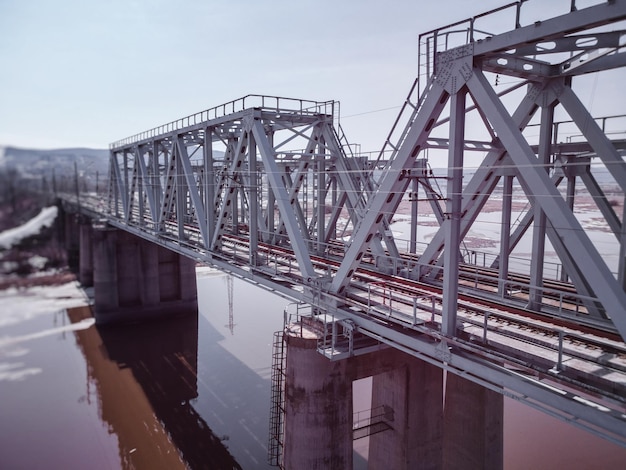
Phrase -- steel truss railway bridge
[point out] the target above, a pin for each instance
(269, 189)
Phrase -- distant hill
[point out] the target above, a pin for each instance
(37, 163)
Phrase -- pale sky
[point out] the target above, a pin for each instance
(86, 73)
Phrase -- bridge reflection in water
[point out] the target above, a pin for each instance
(146, 377)
(137, 387)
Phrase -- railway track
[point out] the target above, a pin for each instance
(584, 357)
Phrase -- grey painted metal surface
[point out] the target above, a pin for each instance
(265, 188)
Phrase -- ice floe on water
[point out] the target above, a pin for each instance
(23, 304)
(12, 340)
(14, 371)
(19, 305)
(13, 236)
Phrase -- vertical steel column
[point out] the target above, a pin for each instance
(156, 179)
(451, 254)
(321, 204)
(621, 274)
(126, 201)
(571, 192)
(271, 197)
(236, 205)
(414, 201)
(540, 220)
(140, 185)
(505, 234)
(117, 186)
(271, 220)
(179, 180)
(334, 197)
(253, 202)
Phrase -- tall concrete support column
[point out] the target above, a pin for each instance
(318, 409)
(85, 268)
(72, 239)
(105, 270)
(187, 275)
(414, 393)
(135, 279)
(473, 426)
(150, 282)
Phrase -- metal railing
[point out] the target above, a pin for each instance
(485, 25)
(276, 104)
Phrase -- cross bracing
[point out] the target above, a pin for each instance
(266, 188)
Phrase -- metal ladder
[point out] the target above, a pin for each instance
(277, 409)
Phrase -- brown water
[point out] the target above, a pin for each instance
(189, 393)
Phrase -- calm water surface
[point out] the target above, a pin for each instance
(189, 393)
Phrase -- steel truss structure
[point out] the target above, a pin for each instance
(258, 181)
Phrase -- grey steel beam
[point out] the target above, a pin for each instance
(132, 193)
(452, 223)
(481, 185)
(593, 133)
(539, 226)
(143, 171)
(296, 235)
(527, 220)
(253, 203)
(321, 202)
(192, 187)
(293, 191)
(337, 206)
(607, 62)
(228, 187)
(569, 264)
(209, 182)
(414, 212)
(434, 199)
(505, 234)
(181, 190)
(385, 200)
(349, 175)
(583, 19)
(574, 238)
(621, 273)
(169, 191)
(155, 179)
(120, 186)
(602, 202)
(578, 42)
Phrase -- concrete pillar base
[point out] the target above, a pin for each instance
(72, 240)
(85, 269)
(473, 426)
(318, 409)
(135, 280)
(414, 391)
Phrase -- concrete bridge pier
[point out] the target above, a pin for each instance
(85, 255)
(413, 389)
(426, 423)
(473, 426)
(71, 237)
(318, 408)
(135, 279)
